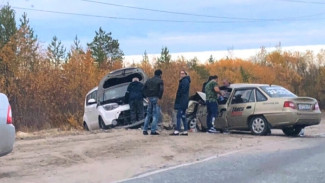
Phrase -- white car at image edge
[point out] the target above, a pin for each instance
(7, 129)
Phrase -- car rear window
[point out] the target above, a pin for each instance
(277, 91)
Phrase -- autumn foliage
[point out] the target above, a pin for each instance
(44, 94)
(48, 96)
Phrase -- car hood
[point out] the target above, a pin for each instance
(198, 96)
(118, 77)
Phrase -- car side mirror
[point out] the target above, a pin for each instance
(91, 101)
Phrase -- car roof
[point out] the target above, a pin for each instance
(247, 85)
(3, 101)
(96, 88)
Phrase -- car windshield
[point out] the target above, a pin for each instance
(277, 91)
(115, 92)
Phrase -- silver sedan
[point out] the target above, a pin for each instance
(7, 129)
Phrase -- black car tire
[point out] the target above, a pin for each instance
(102, 124)
(259, 125)
(292, 131)
(86, 126)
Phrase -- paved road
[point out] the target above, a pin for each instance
(291, 160)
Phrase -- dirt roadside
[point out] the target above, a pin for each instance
(108, 156)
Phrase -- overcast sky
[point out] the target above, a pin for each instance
(181, 25)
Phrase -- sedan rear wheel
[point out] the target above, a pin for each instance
(292, 131)
(259, 125)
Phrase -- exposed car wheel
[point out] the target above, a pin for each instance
(102, 124)
(292, 131)
(136, 124)
(259, 125)
(86, 126)
(192, 124)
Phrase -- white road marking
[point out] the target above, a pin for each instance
(204, 160)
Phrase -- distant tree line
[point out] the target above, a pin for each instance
(46, 88)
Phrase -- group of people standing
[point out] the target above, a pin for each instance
(153, 90)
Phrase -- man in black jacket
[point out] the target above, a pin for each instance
(181, 102)
(134, 97)
(153, 89)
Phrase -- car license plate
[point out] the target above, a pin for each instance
(304, 106)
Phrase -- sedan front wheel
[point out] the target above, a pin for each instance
(192, 124)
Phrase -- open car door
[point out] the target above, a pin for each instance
(241, 106)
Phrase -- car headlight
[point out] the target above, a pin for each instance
(109, 107)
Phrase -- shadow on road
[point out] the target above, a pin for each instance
(277, 134)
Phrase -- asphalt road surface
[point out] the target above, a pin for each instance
(293, 160)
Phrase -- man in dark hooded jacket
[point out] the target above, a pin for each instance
(181, 102)
(134, 97)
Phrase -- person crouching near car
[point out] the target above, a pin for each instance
(212, 90)
(134, 97)
(153, 89)
(181, 102)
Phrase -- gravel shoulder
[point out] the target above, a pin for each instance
(112, 155)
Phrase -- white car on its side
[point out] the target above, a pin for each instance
(7, 129)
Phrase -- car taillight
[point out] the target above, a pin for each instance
(9, 115)
(316, 106)
(289, 104)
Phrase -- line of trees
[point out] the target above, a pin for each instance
(302, 73)
(46, 88)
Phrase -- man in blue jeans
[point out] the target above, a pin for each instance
(212, 90)
(181, 102)
(153, 89)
